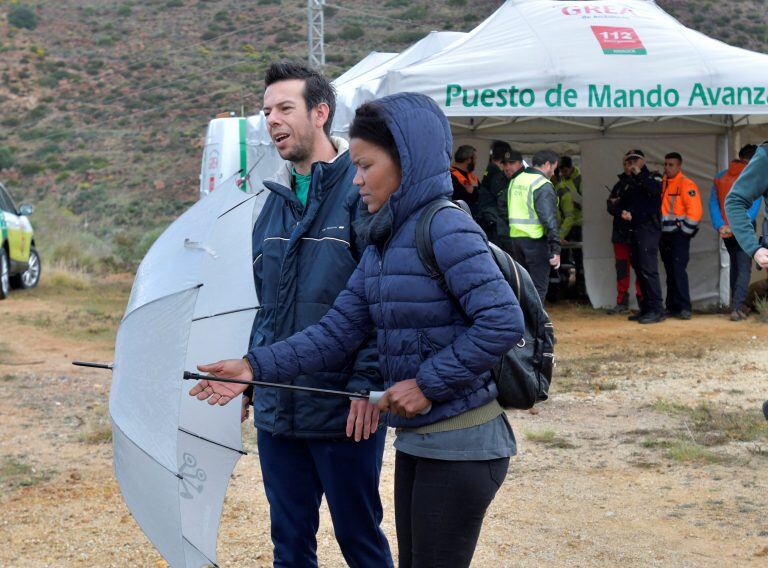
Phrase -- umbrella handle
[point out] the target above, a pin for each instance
(375, 396)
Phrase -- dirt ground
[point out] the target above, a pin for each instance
(651, 452)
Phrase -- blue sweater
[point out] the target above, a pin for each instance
(749, 188)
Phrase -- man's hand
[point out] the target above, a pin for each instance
(626, 215)
(245, 410)
(404, 398)
(725, 231)
(634, 169)
(222, 393)
(363, 419)
(469, 187)
(761, 257)
(554, 262)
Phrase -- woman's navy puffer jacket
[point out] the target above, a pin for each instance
(421, 333)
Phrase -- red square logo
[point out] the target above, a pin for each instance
(619, 41)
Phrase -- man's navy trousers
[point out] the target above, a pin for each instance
(298, 472)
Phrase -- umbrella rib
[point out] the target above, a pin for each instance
(241, 452)
(200, 551)
(150, 456)
(227, 313)
(236, 206)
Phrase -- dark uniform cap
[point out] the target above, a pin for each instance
(634, 154)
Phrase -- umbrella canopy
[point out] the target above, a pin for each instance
(193, 301)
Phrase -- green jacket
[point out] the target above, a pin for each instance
(569, 202)
(750, 186)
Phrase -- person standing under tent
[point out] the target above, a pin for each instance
(681, 212)
(641, 207)
(511, 170)
(621, 238)
(740, 262)
(465, 182)
(495, 182)
(532, 213)
(751, 186)
(568, 189)
(304, 250)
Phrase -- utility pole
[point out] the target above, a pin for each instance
(316, 33)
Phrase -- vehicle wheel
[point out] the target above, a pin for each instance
(31, 276)
(5, 275)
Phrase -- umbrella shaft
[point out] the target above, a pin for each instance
(330, 392)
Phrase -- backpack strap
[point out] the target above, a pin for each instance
(424, 240)
(509, 268)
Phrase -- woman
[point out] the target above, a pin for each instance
(435, 350)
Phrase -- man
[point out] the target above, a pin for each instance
(641, 207)
(740, 262)
(304, 251)
(504, 164)
(680, 217)
(621, 239)
(465, 183)
(532, 213)
(568, 189)
(751, 185)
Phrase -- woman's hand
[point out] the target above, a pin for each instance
(222, 393)
(404, 398)
(363, 419)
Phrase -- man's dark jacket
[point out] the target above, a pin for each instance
(643, 199)
(303, 257)
(621, 228)
(421, 332)
(494, 183)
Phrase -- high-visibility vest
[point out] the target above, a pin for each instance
(523, 219)
(681, 208)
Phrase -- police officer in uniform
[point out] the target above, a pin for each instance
(494, 185)
(532, 212)
(641, 207)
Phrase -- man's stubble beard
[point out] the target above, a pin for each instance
(301, 151)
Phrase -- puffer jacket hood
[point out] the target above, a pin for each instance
(423, 138)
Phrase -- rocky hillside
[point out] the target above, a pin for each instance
(103, 104)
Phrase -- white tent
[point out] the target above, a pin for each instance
(365, 86)
(606, 75)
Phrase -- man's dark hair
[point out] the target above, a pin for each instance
(317, 89)
(674, 156)
(464, 153)
(368, 125)
(747, 152)
(543, 156)
(565, 162)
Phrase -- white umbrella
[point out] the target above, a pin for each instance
(193, 301)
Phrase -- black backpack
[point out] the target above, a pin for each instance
(524, 373)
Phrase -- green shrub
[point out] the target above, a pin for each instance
(6, 158)
(351, 32)
(31, 168)
(414, 13)
(124, 11)
(22, 17)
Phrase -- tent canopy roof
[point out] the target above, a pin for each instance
(597, 58)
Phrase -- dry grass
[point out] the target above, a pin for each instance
(16, 471)
(548, 437)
